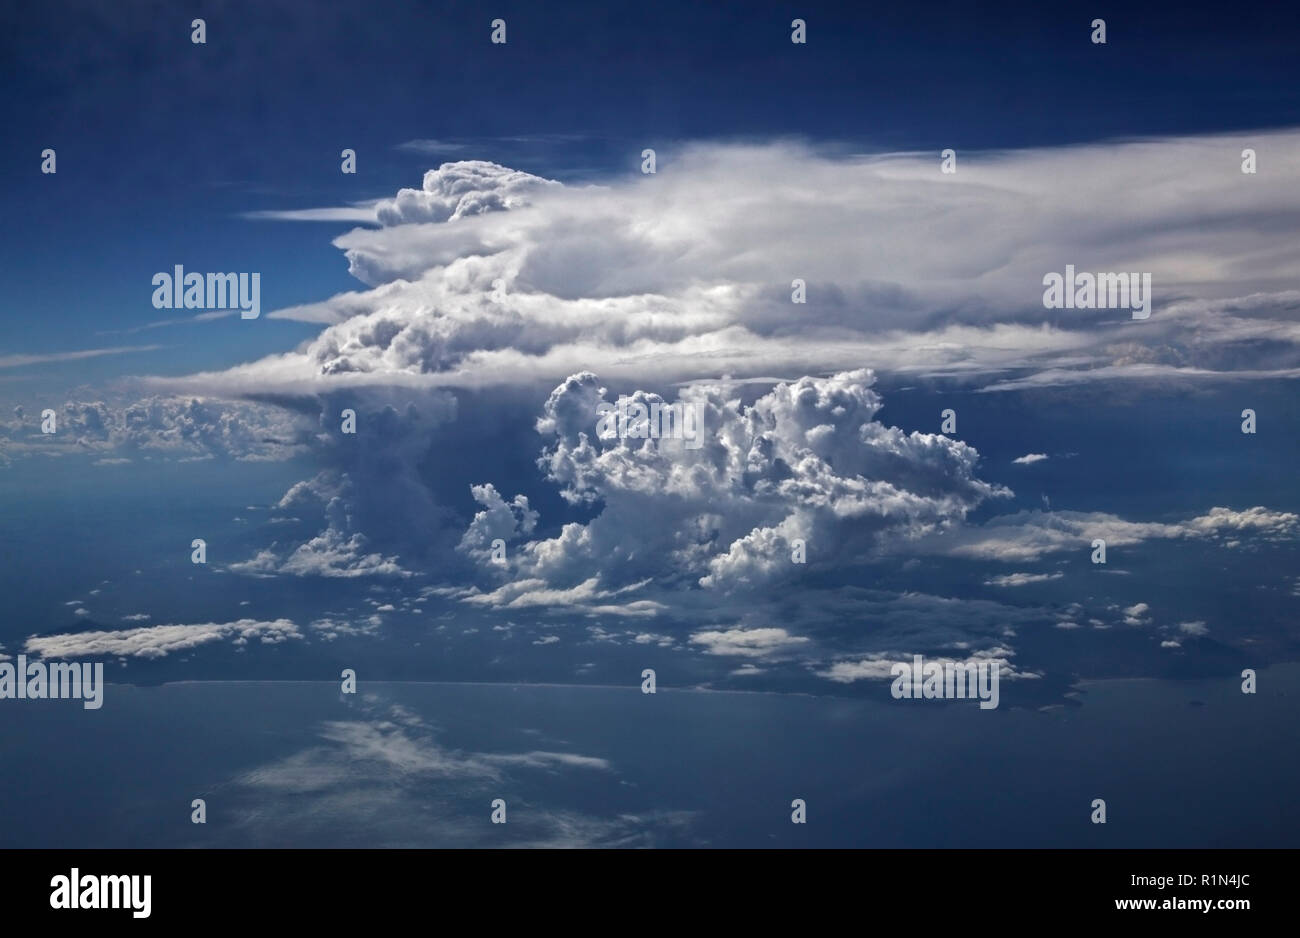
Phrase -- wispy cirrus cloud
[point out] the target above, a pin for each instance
(48, 358)
(362, 212)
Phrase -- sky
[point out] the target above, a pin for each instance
(501, 264)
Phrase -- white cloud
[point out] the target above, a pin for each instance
(751, 643)
(386, 773)
(458, 190)
(807, 461)
(548, 760)
(1137, 614)
(1022, 579)
(177, 427)
(329, 554)
(1030, 535)
(866, 669)
(879, 667)
(671, 278)
(586, 595)
(360, 212)
(685, 277)
(331, 628)
(158, 641)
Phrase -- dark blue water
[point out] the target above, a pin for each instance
(1180, 764)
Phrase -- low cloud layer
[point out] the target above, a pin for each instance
(1030, 535)
(159, 641)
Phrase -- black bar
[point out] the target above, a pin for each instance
(662, 888)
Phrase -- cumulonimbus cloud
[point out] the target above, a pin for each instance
(806, 467)
(488, 275)
(487, 280)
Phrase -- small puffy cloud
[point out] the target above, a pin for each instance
(652, 638)
(586, 595)
(880, 667)
(751, 643)
(331, 628)
(1260, 521)
(865, 669)
(1022, 579)
(1137, 614)
(378, 493)
(498, 520)
(329, 554)
(1029, 459)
